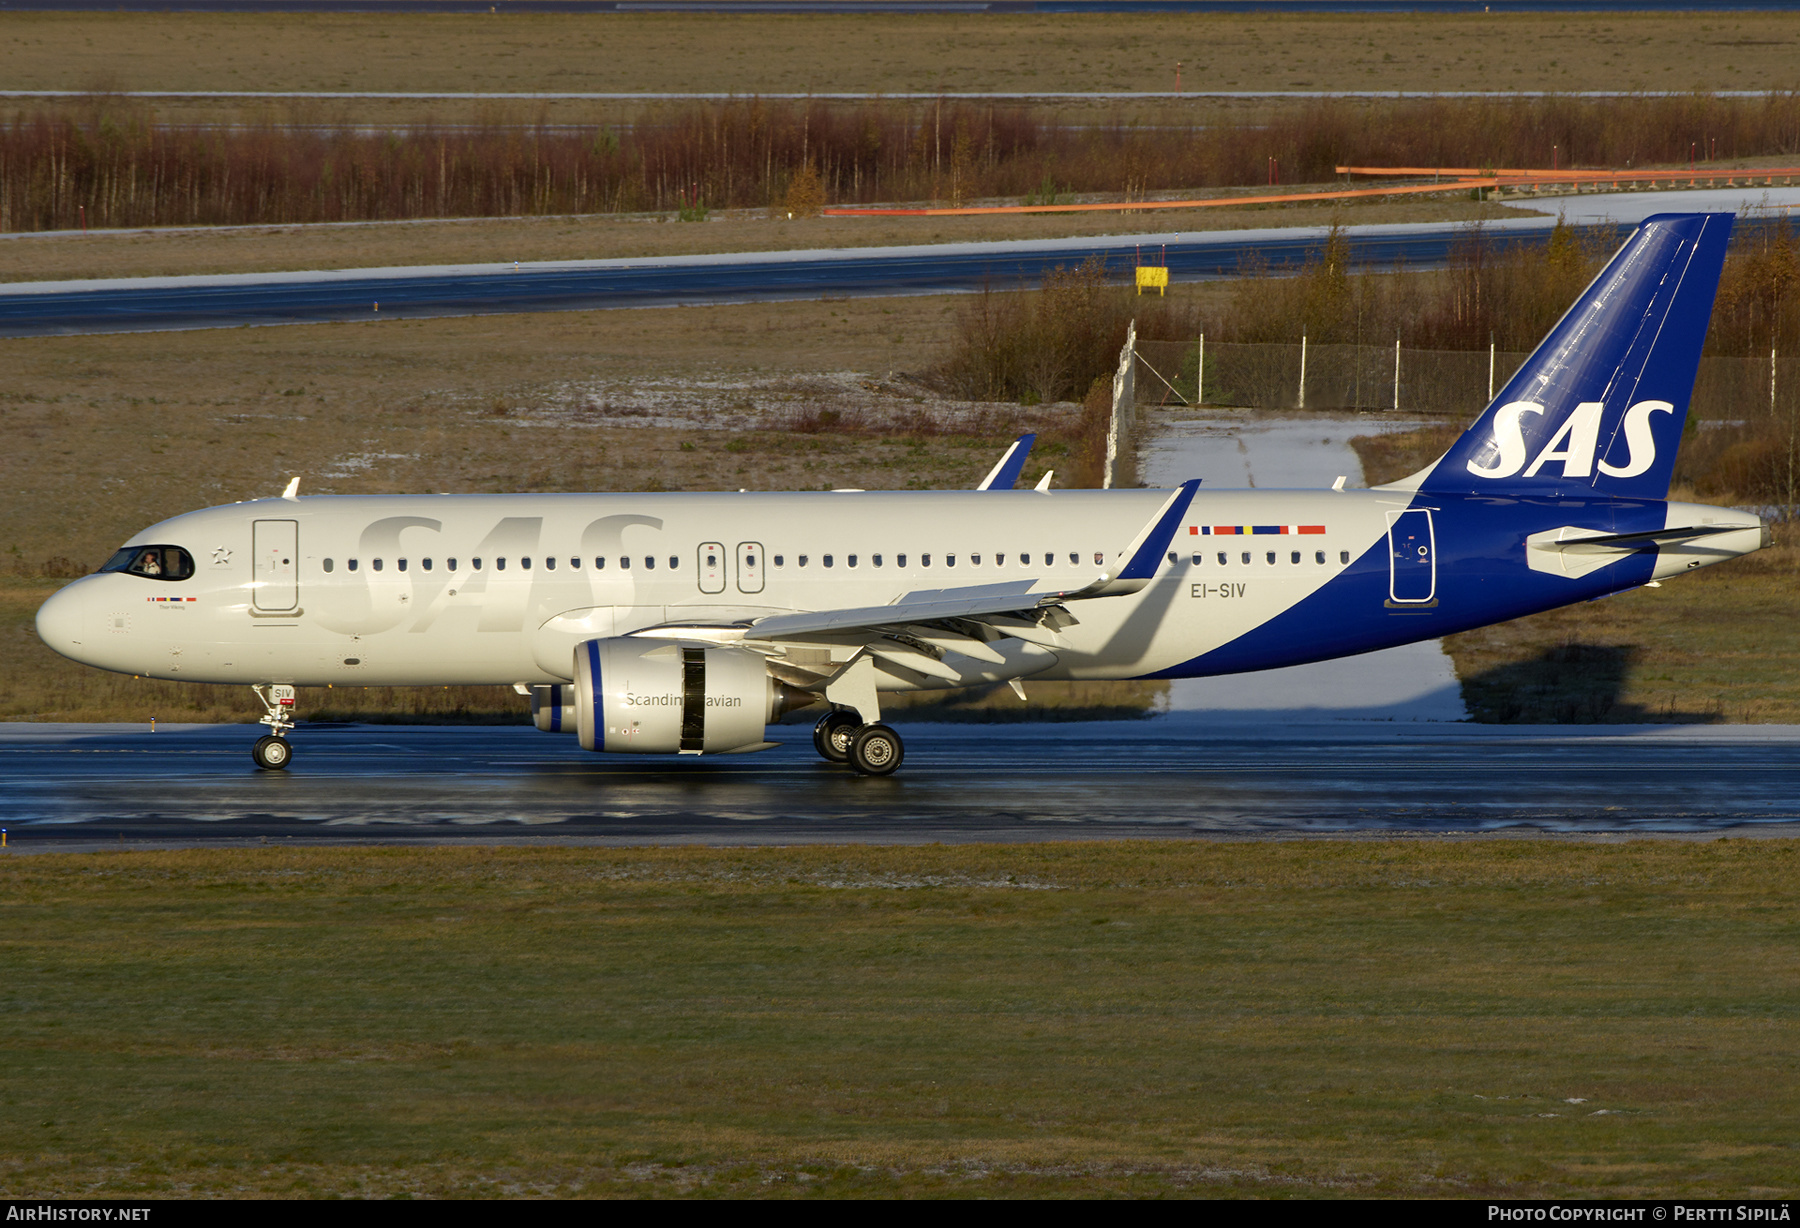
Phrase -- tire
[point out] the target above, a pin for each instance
(876, 750)
(831, 736)
(271, 753)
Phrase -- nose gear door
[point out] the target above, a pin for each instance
(275, 563)
(1412, 557)
(750, 567)
(712, 567)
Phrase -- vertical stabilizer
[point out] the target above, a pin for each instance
(1599, 407)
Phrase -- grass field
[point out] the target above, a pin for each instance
(1442, 1018)
(640, 53)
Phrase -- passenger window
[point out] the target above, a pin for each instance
(828, 560)
(329, 565)
(924, 560)
(1246, 556)
(999, 560)
(499, 563)
(475, 563)
(949, 560)
(1074, 559)
(851, 560)
(712, 560)
(1271, 558)
(1173, 557)
(624, 562)
(877, 560)
(1344, 557)
(1198, 558)
(1296, 557)
(803, 560)
(974, 560)
(549, 562)
(525, 563)
(377, 564)
(1319, 557)
(400, 563)
(899, 560)
(574, 563)
(674, 563)
(780, 561)
(352, 564)
(450, 563)
(649, 562)
(425, 563)
(1025, 559)
(1099, 559)
(1223, 558)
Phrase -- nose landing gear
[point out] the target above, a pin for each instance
(271, 751)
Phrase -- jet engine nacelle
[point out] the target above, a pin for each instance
(647, 697)
(553, 707)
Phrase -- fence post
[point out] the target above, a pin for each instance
(1200, 379)
(1124, 403)
(1302, 404)
(1490, 370)
(1396, 374)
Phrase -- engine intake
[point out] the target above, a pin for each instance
(553, 707)
(648, 697)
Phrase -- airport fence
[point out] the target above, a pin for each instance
(1742, 441)
(1729, 391)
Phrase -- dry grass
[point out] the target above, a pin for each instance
(912, 53)
(107, 161)
(1422, 1019)
(174, 252)
(109, 434)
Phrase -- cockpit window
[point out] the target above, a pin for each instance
(155, 562)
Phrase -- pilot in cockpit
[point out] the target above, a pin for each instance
(149, 564)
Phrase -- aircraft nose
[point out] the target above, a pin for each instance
(61, 621)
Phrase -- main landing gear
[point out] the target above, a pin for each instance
(873, 750)
(271, 751)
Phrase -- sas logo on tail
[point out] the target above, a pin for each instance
(1574, 445)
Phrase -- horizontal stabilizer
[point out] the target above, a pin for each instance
(1576, 552)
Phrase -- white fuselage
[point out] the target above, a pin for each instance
(480, 589)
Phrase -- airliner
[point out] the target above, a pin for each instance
(687, 623)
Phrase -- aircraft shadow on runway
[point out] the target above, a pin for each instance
(1572, 684)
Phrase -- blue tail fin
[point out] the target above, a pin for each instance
(1599, 407)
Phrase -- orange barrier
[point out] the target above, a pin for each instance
(1515, 177)
(1210, 202)
(1455, 179)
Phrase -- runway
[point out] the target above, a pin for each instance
(230, 300)
(1170, 777)
(147, 304)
